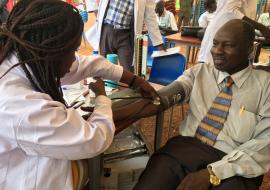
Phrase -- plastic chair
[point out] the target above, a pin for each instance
(166, 69)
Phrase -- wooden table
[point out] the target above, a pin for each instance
(187, 41)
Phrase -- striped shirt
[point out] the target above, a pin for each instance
(120, 13)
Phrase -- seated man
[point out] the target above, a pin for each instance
(210, 7)
(165, 18)
(185, 13)
(224, 142)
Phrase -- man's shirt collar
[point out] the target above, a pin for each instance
(239, 78)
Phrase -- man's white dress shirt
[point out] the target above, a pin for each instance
(245, 136)
(39, 136)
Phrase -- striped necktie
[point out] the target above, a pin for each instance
(216, 116)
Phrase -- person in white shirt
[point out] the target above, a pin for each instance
(116, 29)
(165, 18)
(265, 18)
(226, 11)
(210, 7)
(40, 134)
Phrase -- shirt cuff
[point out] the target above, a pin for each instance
(222, 169)
(117, 73)
(103, 100)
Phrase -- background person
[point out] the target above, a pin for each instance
(210, 7)
(226, 11)
(185, 13)
(264, 19)
(118, 23)
(166, 20)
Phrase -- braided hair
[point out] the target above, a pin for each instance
(41, 33)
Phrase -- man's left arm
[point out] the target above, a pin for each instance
(152, 24)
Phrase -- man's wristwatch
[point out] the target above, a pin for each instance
(214, 180)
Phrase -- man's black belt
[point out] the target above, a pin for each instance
(115, 28)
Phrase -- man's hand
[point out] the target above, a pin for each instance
(198, 180)
(138, 83)
(144, 88)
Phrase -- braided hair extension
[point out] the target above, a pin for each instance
(41, 32)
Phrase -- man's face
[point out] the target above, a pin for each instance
(159, 8)
(213, 7)
(230, 51)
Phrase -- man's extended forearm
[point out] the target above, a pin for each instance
(128, 111)
(139, 108)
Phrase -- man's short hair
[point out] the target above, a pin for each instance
(208, 3)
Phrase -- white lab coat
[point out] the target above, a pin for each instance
(226, 11)
(39, 136)
(144, 12)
